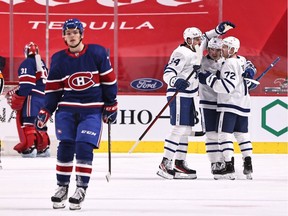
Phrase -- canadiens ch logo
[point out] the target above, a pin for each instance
(81, 81)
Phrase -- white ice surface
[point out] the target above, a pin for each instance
(26, 186)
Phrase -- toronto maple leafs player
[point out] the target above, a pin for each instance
(184, 63)
(208, 104)
(82, 86)
(27, 99)
(233, 106)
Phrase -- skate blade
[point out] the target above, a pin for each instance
(59, 205)
(165, 175)
(179, 175)
(74, 206)
(229, 176)
(249, 176)
(30, 155)
(47, 153)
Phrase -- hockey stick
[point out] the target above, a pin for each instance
(195, 69)
(268, 68)
(108, 176)
(256, 81)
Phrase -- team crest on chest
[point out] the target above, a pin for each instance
(81, 81)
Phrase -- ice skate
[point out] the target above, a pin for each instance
(182, 171)
(60, 197)
(248, 170)
(165, 169)
(229, 171)
(44, 153)
(29, 153)
(77, 198)
(217, 170)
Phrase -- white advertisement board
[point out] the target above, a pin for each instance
(268, 122)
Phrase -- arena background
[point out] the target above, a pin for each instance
(140, 36)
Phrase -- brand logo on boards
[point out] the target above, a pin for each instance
(146, 84)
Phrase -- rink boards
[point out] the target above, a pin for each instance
(267, 125)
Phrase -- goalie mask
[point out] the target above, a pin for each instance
(73, 24)
(31, 49)
(232, 42)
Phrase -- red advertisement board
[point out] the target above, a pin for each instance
(143, 33)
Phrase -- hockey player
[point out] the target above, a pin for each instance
(27, 99)
(233, 105)
(184, 59)
(208, 104)
(82, 87)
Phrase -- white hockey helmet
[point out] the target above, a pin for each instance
(232, 42)
(215, 43)
(191, 33)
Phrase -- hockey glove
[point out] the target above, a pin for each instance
(179, 83)
(110, 113)
(250, 70)
(223, 27)
(252, 86)
(42, 119)
(16, 101)
(207, 78)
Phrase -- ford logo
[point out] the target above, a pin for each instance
(146, 84)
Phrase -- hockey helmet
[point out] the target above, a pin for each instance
(232, 42)
(191, 33)
(215, 43)
(73, 24)
(31, 49)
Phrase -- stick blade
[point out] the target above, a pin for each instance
(133, 147)
(108, 177)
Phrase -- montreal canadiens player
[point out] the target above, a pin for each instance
(184, 60)
(27, 99)
(82, 86)
(233, 105)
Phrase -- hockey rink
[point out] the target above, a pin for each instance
(135, 189)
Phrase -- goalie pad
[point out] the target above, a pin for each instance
(28, 138)
(43, 141)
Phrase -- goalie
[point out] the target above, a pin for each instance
(27, 99)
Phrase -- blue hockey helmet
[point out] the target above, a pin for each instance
(73, 24)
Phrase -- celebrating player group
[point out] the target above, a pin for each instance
(223, 81)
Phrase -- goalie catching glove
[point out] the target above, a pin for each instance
(42, 119)
(110, 112)
(14, 100)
